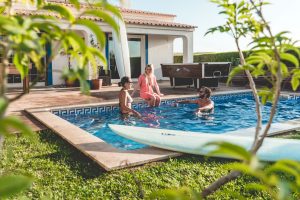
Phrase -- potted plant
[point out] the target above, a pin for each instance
(96, 82)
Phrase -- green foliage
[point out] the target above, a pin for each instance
(295, 79)
(12, 185)
(234, 151)
(213, 57)
(183, 193)
(63, 11)
(272, 179)
(26, 37)
(263, 62)
(62, 172)
(267, 50)
(239, 18)
(6, 123)
(3, 106)
(268, 57)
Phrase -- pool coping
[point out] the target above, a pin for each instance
(104, 154)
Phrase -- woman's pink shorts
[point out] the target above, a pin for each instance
(148, 96)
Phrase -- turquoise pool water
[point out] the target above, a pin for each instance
(231, 113)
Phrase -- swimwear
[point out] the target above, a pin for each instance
(129, 102)
(146, 87)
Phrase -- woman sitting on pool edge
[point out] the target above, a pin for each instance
(146, 83)
(206, 105)
(125, 99)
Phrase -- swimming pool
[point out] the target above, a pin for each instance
(232, 112)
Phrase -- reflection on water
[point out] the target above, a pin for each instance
(229, 115)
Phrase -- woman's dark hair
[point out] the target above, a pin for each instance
(124, 80)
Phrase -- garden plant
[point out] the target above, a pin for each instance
(24, 38)
(268, 56)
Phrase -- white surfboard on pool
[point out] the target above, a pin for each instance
(121, 49)
(273, 149)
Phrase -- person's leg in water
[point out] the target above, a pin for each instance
(152, 101)
(157, 99)
(149, 98)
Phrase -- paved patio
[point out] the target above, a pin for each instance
(53, 97)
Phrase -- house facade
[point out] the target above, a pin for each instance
(150, 40)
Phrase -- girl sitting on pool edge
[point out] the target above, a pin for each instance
(146, 83)
(125, 99)
(206, 105)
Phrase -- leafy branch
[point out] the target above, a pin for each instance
(24, 38)
(266, 53)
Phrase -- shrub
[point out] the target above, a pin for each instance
(212, 57)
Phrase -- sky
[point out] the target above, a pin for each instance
(283, 15)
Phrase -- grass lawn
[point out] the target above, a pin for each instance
(62, 172)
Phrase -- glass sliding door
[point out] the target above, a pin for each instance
(135, 56)
(134, 44)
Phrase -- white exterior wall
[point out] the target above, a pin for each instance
(160, 50)
(160, 42)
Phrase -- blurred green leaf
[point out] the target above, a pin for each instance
(287, 167)
(284, 191)
(76, 42)
(266, 95)
(229, 150)
(98, 54)
(76, 3)
(12, 122)
(21, 64)
(104, 16)
(3, 106)
(2, 9)
(289, 47)
(62, 10)
(114, 10)
(40, 3)
(4, 130)
(11, 185)
(290, 58)
(295, 81)
(182, 193)
(95, 29)
(235, 71)
(284, 70)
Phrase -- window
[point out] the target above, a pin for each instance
(134, 45)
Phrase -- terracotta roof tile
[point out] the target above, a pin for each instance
(127, 21)
(157, 23)
(126, 10)
(123, 10)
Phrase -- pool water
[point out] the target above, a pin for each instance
(231, 113)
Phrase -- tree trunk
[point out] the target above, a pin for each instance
(219, 183)
(235, 174)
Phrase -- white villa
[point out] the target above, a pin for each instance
(150, 39)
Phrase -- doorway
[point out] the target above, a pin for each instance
(135, 54)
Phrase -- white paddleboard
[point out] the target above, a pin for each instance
(121, 49)
(273, 149)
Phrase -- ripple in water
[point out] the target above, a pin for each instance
(230, 114)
